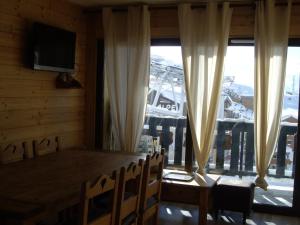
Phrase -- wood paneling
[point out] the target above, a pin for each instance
(30, 104)
(164, 22)
(34, 117)
(295, 22)
(91, 60)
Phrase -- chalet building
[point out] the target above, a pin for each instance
(74, 81)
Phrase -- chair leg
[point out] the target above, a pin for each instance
(156, 217)
(244, 218)
(135, 222)
(141, 219)
(216, 214)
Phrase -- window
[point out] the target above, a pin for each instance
(166, 119)
(235, 112)
(233, 150)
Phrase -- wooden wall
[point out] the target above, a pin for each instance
(164, 22)
(30, 105)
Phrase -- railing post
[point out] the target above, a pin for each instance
(281, 149)
(295, 153)
(220, 140)
(249, 155)
(165, 142)
(235, 148)
(189, 151)
(281, 152)
(242, 149)
(178, 141)
(152, 126)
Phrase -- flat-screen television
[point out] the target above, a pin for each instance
(53, 48)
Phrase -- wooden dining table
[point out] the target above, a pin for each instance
(35, 188)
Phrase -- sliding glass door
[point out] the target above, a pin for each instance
(233, 153)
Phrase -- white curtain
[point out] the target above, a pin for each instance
(204, 37)
(271, 42)
(127, 58)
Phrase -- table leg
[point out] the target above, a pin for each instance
(203, 206)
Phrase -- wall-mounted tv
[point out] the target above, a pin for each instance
(53, 48)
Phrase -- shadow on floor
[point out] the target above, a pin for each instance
(183, 214)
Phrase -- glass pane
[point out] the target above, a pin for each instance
(233, 151)
(165, 121)
(281, 170)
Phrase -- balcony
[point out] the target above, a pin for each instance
(233, 154)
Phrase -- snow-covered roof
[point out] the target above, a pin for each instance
(289, 112)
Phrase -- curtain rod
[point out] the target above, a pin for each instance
(199, 4)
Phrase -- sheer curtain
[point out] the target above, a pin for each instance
(127, 57)
(271, 42)
(204, 37)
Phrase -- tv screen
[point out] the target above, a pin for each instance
(54, 48)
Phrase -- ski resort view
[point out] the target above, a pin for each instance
(233, 149)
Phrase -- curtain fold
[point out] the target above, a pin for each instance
(204, 37)
(271, 43)
(127, 60)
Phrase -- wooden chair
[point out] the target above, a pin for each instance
(91, 215)
(129, 191)
(151, 187)
(46, 145)
(12, 152)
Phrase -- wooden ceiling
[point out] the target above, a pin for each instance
(95, 3)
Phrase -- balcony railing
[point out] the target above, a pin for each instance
(166, 136)
(234, 136)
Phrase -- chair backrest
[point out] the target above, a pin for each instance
(129, 191)
(90, 190)
(46, 145)
(12, 152)
(152, 178)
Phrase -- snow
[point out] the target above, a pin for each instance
(242, 90)
(166, 72)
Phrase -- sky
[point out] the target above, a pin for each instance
(239, 62)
